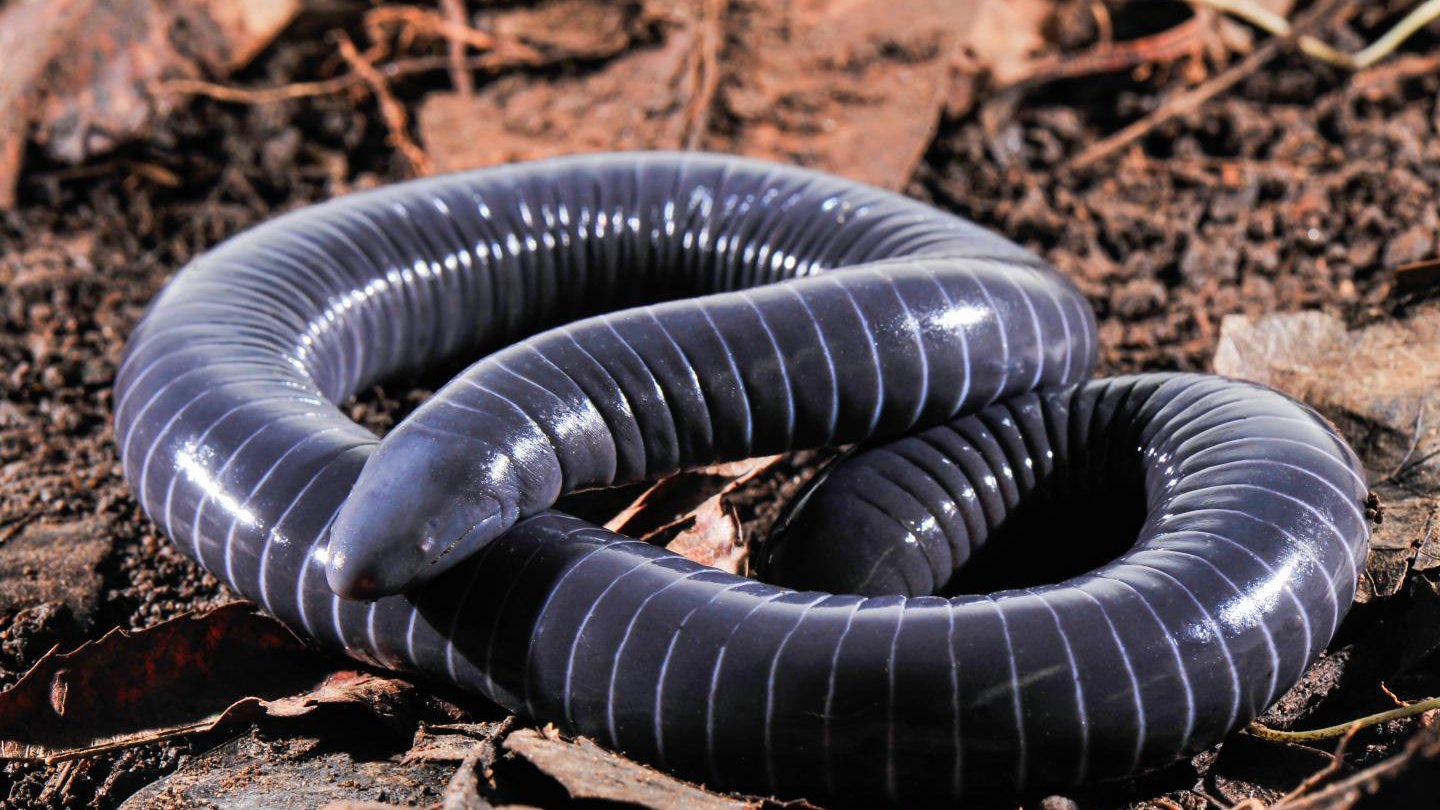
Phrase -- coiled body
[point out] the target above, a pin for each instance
(798, 310)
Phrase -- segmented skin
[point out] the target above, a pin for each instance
(755, 308)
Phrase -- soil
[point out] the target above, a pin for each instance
(1298, 189)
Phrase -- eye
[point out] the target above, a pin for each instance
(432, 524)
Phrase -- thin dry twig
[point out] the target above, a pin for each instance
(1104, 26)
(1417, 432)
(415, 22)
(1173, 43)
(1394, 697)
(706, 75)
(459, 75)
(1264, 18)
(1420, 745)
(256, 95)
(1342, 729)
(412, 21)
(1337, 761)
(391, 111)
(489, 62)
(1267, 20)
(1192, 99)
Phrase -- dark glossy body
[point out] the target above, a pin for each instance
(895, 316)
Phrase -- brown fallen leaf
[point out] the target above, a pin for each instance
(672, 500)
(587, 771)
(74, 74)
(638, 100)
(240, 29)
(188, 675)
(691, 511)
(713, 537)
(1379, 386)
(1005, 36)
(854, 87)
(32, 33)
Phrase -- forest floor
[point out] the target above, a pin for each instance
(1298, 186)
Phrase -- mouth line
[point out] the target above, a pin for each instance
(409, 583)
(466, 533)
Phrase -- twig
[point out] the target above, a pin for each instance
(1401, 31)
(706, 73)
(1416, 432)
(1178, 105)
(1337, 760)
(1104, 26)
(1397, 477)
(1107, 57)
(1268, 20)
(459, 75)
(1166, 46)
(325, 87)
(14, 526)
(1408, 66)
(258, 95)
(1419, 745)
(1342, 729)
(1192, 99)
(419, 20)
(1392, 695)
(391, 111)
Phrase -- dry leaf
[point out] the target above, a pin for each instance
(1380, 385)
(675, 499)
(854, 87)
(851, 86)
(1006, 36)
(32, 33)
(713, 538)
(639, 100)
(78, 71)
(693, 510)
(188, 675)
(588, 771)
(243, 28)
